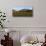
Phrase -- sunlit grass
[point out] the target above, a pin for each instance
(22, 13)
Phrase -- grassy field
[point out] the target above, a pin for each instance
(22, 13)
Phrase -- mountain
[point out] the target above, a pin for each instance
(27, 10)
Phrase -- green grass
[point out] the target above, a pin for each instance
(23, 13)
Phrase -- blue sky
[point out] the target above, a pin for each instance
(22, 7)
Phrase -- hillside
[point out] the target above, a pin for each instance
(23, 12)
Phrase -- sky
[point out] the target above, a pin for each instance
(22, 7)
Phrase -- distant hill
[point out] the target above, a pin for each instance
(23, 10)
(26, 10)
